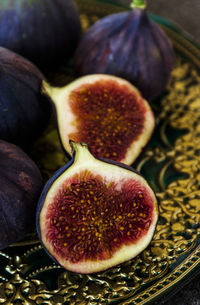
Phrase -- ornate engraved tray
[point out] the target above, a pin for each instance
(170, 162)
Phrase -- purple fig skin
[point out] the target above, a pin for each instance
(24, 109)
(45, 32)
(20, 187)
(129, 45)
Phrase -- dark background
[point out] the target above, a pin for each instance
(185, 14)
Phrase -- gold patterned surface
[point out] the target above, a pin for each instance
(171, 163)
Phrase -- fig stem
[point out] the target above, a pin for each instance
(138, 4)
(77, 146)
(52, 92)
(80, 151)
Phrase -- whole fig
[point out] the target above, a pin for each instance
(20, 186)
(24, 109)
(95, 213)
(45, 32)
(129, 45)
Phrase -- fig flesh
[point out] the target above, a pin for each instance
(24, 109)
(20, 187)
(129, 45)
(95, 213)
(45, 32)
(106, 112)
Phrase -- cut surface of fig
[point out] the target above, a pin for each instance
(94, 213)
(107, 113)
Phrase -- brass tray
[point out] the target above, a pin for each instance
(170, 162)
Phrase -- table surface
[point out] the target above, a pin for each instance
(185, 14)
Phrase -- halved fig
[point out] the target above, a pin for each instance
(95, 213)
(106, 112)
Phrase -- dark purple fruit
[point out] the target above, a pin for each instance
(107, 113)
(20, 186)
(95, 213)
(129, 45)
(44, 31)
(24, 109)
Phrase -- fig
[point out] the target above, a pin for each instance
(106, 112)
(45, 32)
(20, 186)
(95, 213)
(129, 45)
(24, 109)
